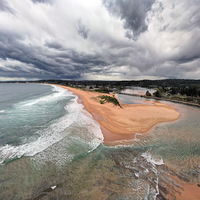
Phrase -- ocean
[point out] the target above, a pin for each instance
(52, 148)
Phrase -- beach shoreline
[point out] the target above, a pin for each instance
(118, 124)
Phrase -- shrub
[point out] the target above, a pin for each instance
(108, 99)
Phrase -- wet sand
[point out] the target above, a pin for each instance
(123, 123)
(187, 191)
(190, 191)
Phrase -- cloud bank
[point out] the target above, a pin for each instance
(133, 14)
(99, 39)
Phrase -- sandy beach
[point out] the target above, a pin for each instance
(123, 123)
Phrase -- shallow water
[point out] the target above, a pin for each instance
(66, 153)
(138, 90)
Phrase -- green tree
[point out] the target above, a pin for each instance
(157, 94)
(173, 90)
(148, 94)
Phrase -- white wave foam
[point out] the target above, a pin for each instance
(53, 187)
(94, 126)
(125, 143)
(59, 92)
(55, 132)
(2, 111)
(84, 136)
(137, 174)
(49, 136)
(151, 191)
(152, 159)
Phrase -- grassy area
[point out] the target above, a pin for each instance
(109, 99)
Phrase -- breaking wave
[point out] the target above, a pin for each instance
(56, 131)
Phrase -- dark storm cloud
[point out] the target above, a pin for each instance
(4, 7)
(82, 62)
(82, 30)
(133, 14)
(15, 49)
(65, 63)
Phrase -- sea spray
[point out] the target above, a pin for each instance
(152, 159)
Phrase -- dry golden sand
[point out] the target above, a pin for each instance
(122, 123)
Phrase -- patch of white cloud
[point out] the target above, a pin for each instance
(13, 79)
(15, 66)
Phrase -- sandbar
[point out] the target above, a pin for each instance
(123, 123)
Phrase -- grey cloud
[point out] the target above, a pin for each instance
(4, 7)
(189, 51)
(82, 30)
(43, 1)
(187, 59)
(162, 52)
(14, 49)
(132, 12)
(53, 45)
(65, 63)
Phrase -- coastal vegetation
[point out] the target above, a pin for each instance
(108, 99)
(189, 94)
(183, 90)
(102, 99)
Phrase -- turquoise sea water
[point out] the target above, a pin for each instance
(51, 148)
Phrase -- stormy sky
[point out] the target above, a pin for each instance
(99, 39)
